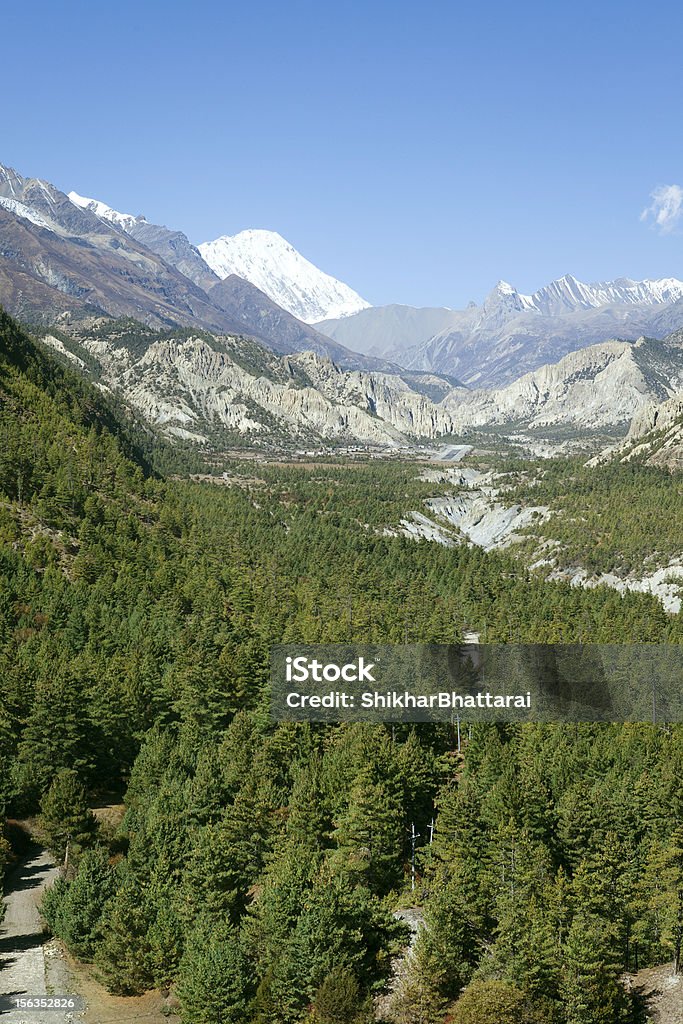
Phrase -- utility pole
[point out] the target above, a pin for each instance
(455, 720)
(432, 830)
(414, 836)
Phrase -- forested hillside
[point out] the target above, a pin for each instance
(623, 515)
(258, 867)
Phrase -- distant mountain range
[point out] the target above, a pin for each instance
(70, 256)
(74, 257)
(511, 334)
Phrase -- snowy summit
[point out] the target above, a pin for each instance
(268, 261)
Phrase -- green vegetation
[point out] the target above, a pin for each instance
(620, 517)
(66, 821)
(258, 867)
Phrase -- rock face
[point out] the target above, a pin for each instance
(483, 520)
(656, 430)
(600, 387)
(174, 247)
(202, 387)
(657, 433)
(207, 389)
(386, 397)
(55, 256)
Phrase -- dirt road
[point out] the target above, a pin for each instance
(29, 967)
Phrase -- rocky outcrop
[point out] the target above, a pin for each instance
(656, 434)
(385, 396)
(656, 417)
(205, 389)
(205, 384)
(600, 387)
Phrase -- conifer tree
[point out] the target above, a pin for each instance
(123, 953)
(589, 986)
(339, 1000)
(369, 835)
(74, 909)
(496, 1002)
(213, 979)
(64, 814)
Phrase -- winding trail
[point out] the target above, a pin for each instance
(27, 967)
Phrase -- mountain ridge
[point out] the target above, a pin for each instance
(173, 246)
(200, 387)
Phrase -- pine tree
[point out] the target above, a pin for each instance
(369, 835)
(339, 999)
(213, 979)
(496, 1002)
(659, 902)
(448, 946)
(165, 943)
(64, 814)
(73, 910)
(123, 953)
(589, 986)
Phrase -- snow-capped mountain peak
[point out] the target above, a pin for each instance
(268, 261)
(505, 299)
(122, 220)
(568, 294)
(504, 288)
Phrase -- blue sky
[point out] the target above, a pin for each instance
(419, 153)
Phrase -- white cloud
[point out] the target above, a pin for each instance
(666, 208)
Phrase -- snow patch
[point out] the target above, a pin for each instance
(24, 211)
